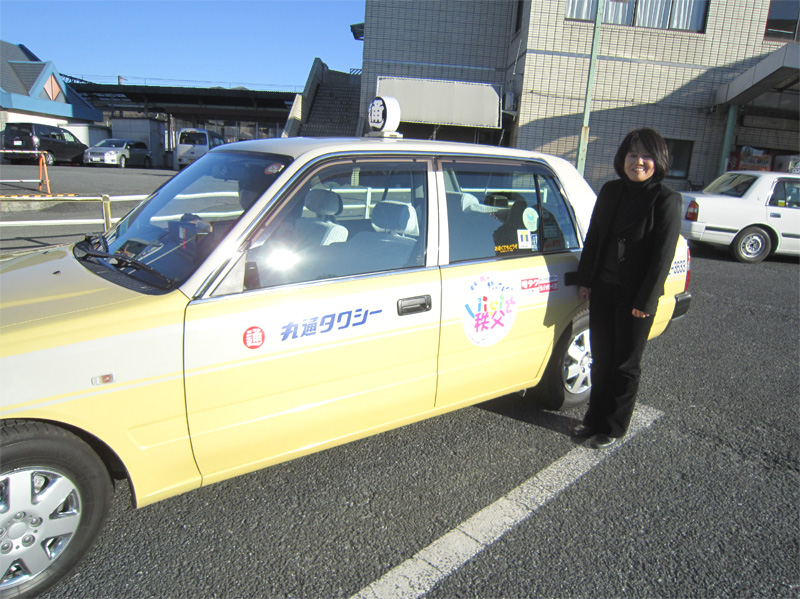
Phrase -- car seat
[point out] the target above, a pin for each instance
(321, 230)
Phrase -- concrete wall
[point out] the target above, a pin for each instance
(448, 39)
(149, 131)
(663, 79)
(645, 77)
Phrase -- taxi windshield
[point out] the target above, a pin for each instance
(169, 235)
(111, 143)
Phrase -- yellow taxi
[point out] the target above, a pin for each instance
(276, 298)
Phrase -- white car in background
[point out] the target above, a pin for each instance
(755, 214)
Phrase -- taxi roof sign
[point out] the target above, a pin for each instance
(383, 116)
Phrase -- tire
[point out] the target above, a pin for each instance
(123, 162)
(752, 244)
(567, 381)
(46, 529)
(49, 159)
(147, 162)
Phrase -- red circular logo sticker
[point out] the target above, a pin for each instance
(253, 338)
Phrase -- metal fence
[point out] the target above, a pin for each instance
(104, 200)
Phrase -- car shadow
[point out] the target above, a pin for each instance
(523, 408)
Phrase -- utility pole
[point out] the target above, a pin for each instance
(583, 144)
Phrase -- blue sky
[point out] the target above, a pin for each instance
(259, 44)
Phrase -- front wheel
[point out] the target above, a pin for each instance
(752, 244)
(567, 381)
(147, 162)
(55, 494)
(123, 162)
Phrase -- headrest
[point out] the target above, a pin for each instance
(469, 203)
(395, 217)
(323, 202)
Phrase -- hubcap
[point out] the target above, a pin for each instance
(40, 511)
(752, 246)
(577, 373)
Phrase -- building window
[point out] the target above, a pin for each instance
(518, 17)
(782, 20)
(680, 157)
(683, 15)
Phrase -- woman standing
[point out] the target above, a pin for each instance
(626, 258)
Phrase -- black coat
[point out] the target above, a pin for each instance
(647, 237)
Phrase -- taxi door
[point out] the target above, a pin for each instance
(505, 298)
(783, 212)
(343, 347)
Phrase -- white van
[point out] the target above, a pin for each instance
(193, 143)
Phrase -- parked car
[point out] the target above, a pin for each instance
(119, 152)
(756, 214)
(276, 298)
(193, 143)
(59, 145)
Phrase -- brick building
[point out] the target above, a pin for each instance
(718, 78)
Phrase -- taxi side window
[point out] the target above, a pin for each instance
(786, 194)
(504, 210)
(345, 219)
(558, 230)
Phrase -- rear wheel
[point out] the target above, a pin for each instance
(49, 159)
(55, 494)
(752, 244)
(567, 381)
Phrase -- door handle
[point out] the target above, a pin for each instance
(414, 305)
(570, 278)
(774, 215)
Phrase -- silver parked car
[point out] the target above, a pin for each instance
(119, 152)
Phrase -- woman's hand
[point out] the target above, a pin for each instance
(639, 314)
(584, 293)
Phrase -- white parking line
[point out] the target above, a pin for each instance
(419, 574)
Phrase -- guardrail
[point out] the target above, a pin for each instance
(44, 178)
(105, 200)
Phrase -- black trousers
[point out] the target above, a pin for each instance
(618, 340)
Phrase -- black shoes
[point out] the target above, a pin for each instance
(602, 441)
(599, 440)
(582, 431)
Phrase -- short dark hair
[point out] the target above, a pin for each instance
(652, 142)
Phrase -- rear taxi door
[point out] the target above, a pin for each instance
(326, 329)
(511, 240)
(783, 212)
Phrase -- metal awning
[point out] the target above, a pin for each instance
(239, 102)
(772, 83)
